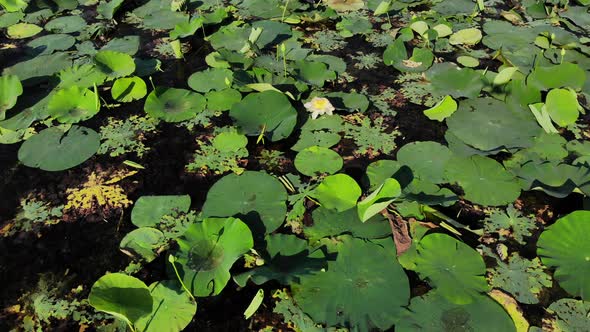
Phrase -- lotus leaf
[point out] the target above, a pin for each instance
(348, 101)
(322, 131)
(211, 79)
(483, 180)
(23, 30)
(222, 100)
(66, 24)
(149, 210)
(50, 43)
(315, 160)
(339, 192)
(114, 64)
(564, 246)
(419, 157)
(452, 268)
(469, 36)
(562, 105)
(230, 141)
(39, 66)
(207, 251)
(54, 149)
(332, 223)
(81, 76)
(13, 5)
(267, 112)
(256, 197)
(488, 124)
(174, 105)
(345, 5)
(364, 288)
(442, 110)
(10, 90)
(172, 309)
(557, 76)
(379, 199)
(396, 55)
(315, 73)
(448, 79)
(286, 259)
(74, 104)
(128, 89)
(122, 296)
(143, 243)
(433, 312)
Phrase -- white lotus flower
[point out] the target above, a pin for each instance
(318, 106)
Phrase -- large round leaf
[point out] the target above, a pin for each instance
(451, 267)
(207, 251)
(562, 105)
(72, 105)
(114, 64)
(469, 36)
(10, 90)
(143, 243)
(332, 223)
(488, 124)
(66, 24)
(23, 30)
(256, 197)
(122, 296)
(396, 55)
(427, 160)
(365, 287)
(172, 310)
(128, 89)
(433, 312)
(149, 210)
(267, 112)
(211, 79)
(315, 160)
(53, 149)
(448, 79)
(484, 180)
(174, 105)
(339, 192)
(565, 246)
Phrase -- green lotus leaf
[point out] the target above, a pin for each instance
(467, 61)
(322, 131)
(350, 102)
(562, 105)
(433, 312)
(286, 259)
(570, 315)
(211, 79)
(345, 5)
(72, 105)
(114, 64)
(143, 243)
(230, 141)
(469, 36)
(484, 180)
(23, 30)
(41, 66)
(13, 5)
(564, 75)
(122, 296)
(381, 170)
(10, 90)
(186, 29)
(108, 9)
(564, 246)
(488, 124)
(332, 223)
(452, 268)
(448, 79)
(207, 251)
(339, 192)
(419, 157)
(149, 210)
(555, 178)
(83, 76)
(222, 100)
(315, 73)
(172, 309)
(54, 149)
(174, 105)
(127, 44)
(66, 24)
(128, 89)
(50, 43)
(255, 197)
(379, 199)
(267, 112)
(364, 288)
(396, 55)
(316, 160)
(442, 110)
